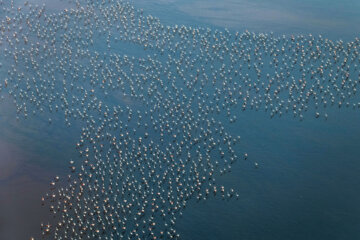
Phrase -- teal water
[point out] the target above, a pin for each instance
(332, 19)
(307, 183)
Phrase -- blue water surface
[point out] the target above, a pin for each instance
(307, 185)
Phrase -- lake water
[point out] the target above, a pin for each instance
(307, 185)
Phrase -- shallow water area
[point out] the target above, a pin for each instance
(304, 188)
(29, 161)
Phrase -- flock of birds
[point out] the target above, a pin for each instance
(155, 102)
